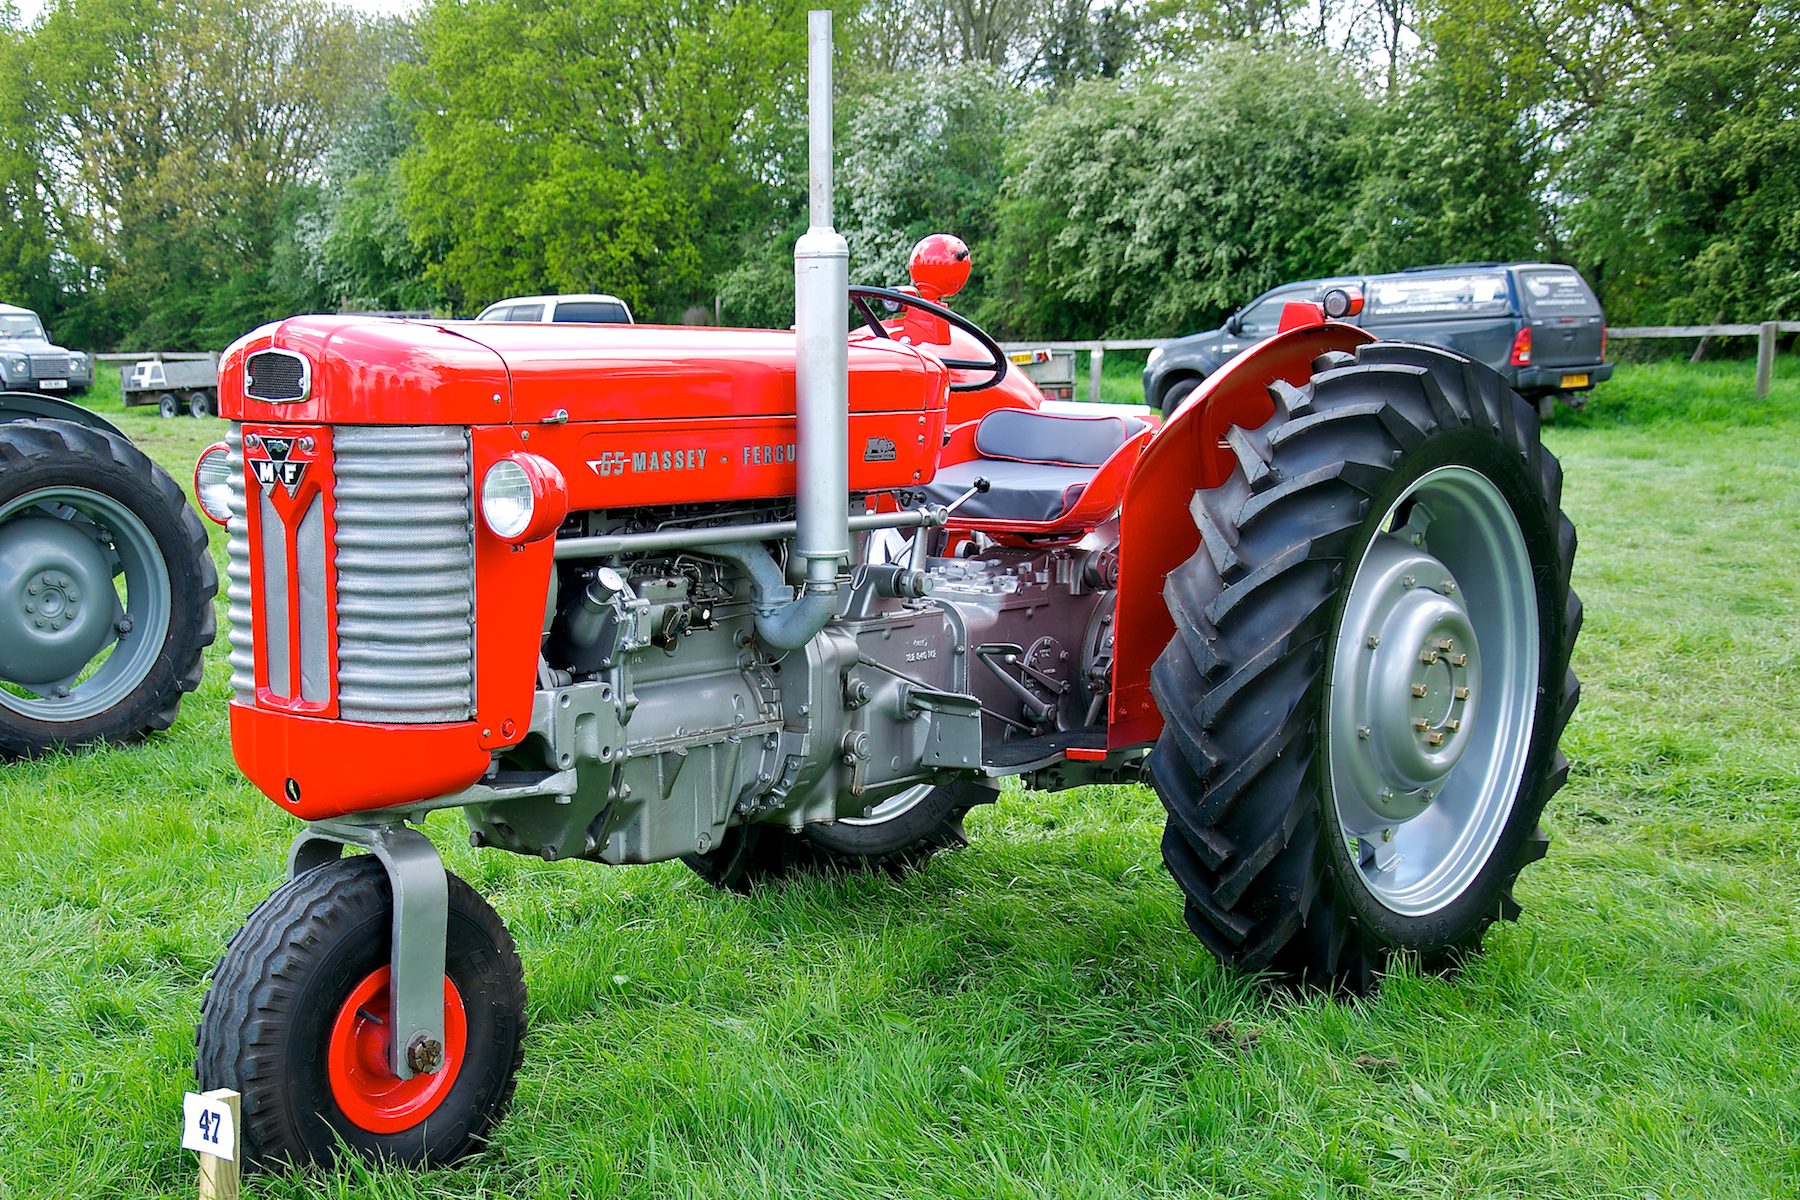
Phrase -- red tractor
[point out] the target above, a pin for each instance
(771, 602)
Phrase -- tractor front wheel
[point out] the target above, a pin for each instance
(1370, 672)
(897, 835)
(295, 1021)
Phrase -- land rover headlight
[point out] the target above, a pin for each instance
(17, 366)
(1156, 356)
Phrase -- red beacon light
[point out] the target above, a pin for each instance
(939, 266)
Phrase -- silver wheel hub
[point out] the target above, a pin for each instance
(1433, 690)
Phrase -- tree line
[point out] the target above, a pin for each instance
(175, 172)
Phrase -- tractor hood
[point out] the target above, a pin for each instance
(377, 371)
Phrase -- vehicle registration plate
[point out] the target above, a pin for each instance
(53, 385)
(1574, 381)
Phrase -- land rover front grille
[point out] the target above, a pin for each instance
(50, 366)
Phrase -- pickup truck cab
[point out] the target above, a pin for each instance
(1538, 324)
(28, 361)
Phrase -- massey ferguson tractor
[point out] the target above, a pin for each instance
(775, 602)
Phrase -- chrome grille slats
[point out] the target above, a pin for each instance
(49, 366)
(405, 573)
(242, 655)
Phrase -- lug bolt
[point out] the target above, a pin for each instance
(124, 626)
(1429, 658)
(425, 1055)
(1446, 644)
(1449, 587)
(40, 622)
(1453, 726)
(33, 589)
(1434, 739)
(62, 692)
(1459, 660)
(1427, 795)
(72, 597)
(1421, 724)
(1374, 641)
(1387, 793)
(30, 607)
(1462, 693)
(1407, 581)
(62, 581)
(1387, 835)
(1363, 731)
(1418, 539)
(1419, 690)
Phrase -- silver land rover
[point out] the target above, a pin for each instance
(29, 363)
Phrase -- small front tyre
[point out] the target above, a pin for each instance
(292, 1021)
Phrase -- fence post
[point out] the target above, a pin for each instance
(1096, 358)
(1765, 359)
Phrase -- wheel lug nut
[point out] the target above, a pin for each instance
(1434, 739)
(1419, 690)
(1459, 660)
(1453, 726)
(1421, 724)
(1387, 835)
(30, 607)
(1446, 644)
(41, 622)
(1407, 581)
(1449, 587)
(33, 589)
(1374, 641)
(1462, 693)
(1418, 539)
(1429, 657)
(1363, 731)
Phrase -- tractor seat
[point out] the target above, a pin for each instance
(1037, 464)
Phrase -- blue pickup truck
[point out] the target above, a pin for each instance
(1538, 324)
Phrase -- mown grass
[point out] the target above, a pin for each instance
(1028, 1017)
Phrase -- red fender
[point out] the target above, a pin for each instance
(1156, 532)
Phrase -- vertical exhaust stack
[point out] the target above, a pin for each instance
(821, 320)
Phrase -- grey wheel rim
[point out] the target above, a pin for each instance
(896, 805)
(59, 532)
(1433, 691)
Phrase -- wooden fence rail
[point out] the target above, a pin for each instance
(1765, 333)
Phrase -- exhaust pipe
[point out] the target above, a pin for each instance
(821, 319)
(821, 375)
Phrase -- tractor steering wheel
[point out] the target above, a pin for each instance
(996, 365)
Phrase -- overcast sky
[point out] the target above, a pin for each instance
(29, 9)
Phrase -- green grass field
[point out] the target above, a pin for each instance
(1029, 1017)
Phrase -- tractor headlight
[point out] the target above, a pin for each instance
(523, 498)
(212, 482)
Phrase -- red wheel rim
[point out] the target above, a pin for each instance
(367, 1092)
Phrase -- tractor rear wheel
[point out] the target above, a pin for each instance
(293, 1021)
(1370, 672)
(898, 835)
(106, 589)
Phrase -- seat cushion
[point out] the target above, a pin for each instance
(1025, 435)
(1029, 493)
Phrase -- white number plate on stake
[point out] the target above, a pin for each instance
(207, 1126)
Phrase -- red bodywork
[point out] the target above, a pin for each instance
(634, 416)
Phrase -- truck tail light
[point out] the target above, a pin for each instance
(523, 498)
(1521, 348)
(1602, 342)
(212, 482)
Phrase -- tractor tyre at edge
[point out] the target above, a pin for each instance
(1370, 672)
(294, 1020)
(899, 835)
(82, 510)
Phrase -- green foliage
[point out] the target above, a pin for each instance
(1157, 208)
(596, 145)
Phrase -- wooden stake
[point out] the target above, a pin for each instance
(219, 1176)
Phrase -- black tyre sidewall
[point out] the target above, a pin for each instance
(200, 404)
(1461, 922)
(1178, 391)
(190, 576)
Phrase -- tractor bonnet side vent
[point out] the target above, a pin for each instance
(277, 376)
(405, 573)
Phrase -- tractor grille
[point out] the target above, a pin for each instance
(50, 366)
(277, 375)
(237, 577)
(404, 552)
(405, 574)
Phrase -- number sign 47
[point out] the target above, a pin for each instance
(207, 1126)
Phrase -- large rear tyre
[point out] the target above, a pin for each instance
(1370, 672)
(106, 589)
(292, 1021)
(898, 835)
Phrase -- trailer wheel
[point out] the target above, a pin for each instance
(1370, 672)
(106, 589)
(200, 404)
(167, 406)
(293, 1021)
(900, 834)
